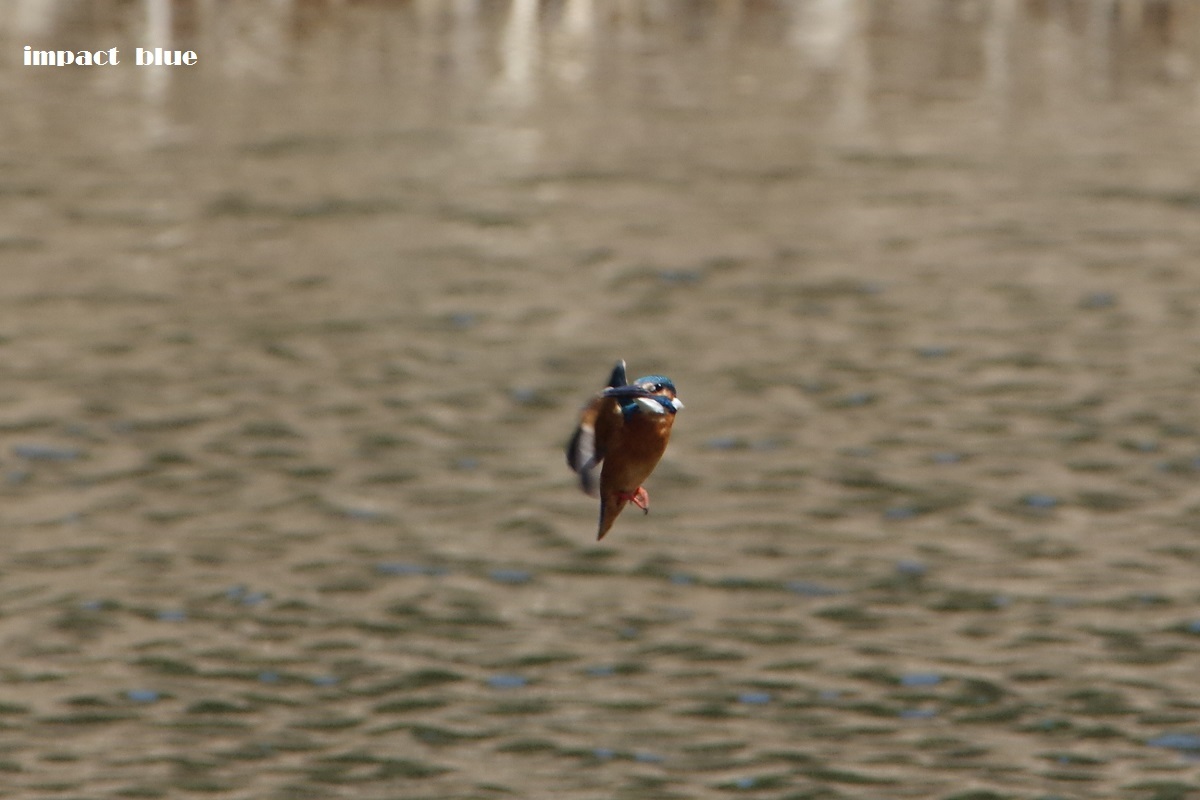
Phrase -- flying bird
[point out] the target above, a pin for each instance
(622, 434)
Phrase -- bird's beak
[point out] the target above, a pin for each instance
(675, 401)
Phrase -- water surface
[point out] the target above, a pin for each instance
(290, 342)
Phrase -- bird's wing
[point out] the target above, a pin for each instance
(585, 451)
(618, 375)
(588, 445)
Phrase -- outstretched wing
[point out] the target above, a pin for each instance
(585, 451)
(581, 457)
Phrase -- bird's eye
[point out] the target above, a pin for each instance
(654, 387)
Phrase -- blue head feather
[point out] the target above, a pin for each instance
(662, 380)
(631, 406)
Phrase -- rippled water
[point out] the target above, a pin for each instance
(290, 342)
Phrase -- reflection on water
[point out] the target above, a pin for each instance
(849, 70)
(420, 104)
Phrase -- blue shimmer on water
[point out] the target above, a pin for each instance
(918, 713)
(513, 577)
(754, 698)
(920, 679)
(142, 695)
(1184, 742)
(507, 681)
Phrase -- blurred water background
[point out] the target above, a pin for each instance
(290, 342)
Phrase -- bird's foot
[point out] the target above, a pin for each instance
(640, 498)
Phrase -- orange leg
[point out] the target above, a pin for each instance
(640, 498)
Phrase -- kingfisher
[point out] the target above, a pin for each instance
(622, 434)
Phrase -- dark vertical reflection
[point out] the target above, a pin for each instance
(854, 60)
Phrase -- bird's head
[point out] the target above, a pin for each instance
(660, 386)
(653, 394)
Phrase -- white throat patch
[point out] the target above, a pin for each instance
(651, 405)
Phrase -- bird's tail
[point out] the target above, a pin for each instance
(611, 506)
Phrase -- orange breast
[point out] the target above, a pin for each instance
(635, 450)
